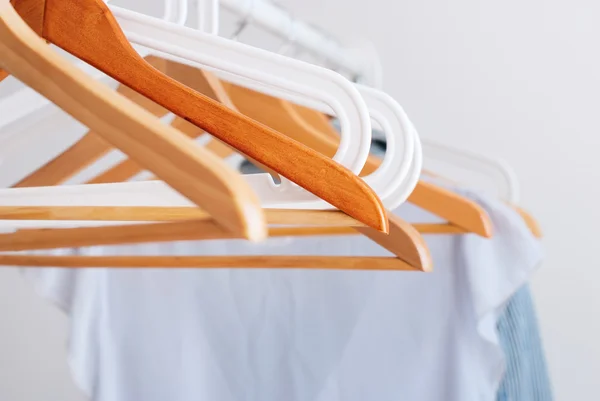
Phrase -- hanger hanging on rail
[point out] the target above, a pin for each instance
(87, 30)
(164, 151)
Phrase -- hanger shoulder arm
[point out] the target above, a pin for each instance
(404, 241)
(210, 262)
(190, 170)
(457, 209)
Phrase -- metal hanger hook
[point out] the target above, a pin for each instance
(245, 21)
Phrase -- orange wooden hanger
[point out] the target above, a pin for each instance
(90, 148)
(460, 212)
(186, 224)
(87, 29)
(189, 169)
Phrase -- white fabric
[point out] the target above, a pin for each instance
(272, 335)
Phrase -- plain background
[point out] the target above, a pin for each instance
(513, 79)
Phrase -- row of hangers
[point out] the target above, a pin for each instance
(269, 108)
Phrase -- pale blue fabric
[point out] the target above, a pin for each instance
(526, 377)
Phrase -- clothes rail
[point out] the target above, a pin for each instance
(280, 22)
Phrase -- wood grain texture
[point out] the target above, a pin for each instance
(319, 122)
(211, 262)
(210, 85)
(271, 111)
(457, 209)
(198, 80)
(421, 228)
(88, 30)
(287, 117)
(189, 169)
(332, 231)
(147, 213)
(404, 241)
(51, 238)
(89, 149)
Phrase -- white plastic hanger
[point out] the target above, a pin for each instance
(497, 170)
(390, 179)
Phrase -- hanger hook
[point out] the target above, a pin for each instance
(245, 21)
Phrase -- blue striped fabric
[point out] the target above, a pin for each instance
(526, 377)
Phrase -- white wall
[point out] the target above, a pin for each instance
(515, 79)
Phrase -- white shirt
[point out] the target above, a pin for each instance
(294, 335)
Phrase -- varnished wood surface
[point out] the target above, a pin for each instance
(404, 241)
(146, 213)
(421, 228)
(201, 81)
(87, 29)
(416, 256)
(456, 209)
(320, 124)
(288, 118)
(211, 262)
(189, 169)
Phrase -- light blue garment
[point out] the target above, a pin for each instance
(526, 377)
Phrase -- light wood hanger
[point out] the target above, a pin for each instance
(189, 169)
(403, 239)
(528, 219)
(88, 30)
(330, 221)
(90, 148)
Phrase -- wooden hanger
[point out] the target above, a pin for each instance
(88, 30)
(414, 251)
(173, 157)
(403, 240)
(91, 147)
(321, 122)
(457, 210)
